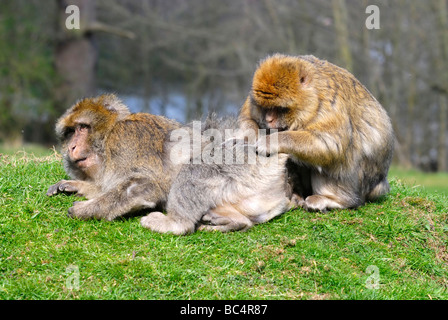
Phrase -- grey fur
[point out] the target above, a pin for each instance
(224, 197)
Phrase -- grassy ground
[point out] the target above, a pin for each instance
(395, 249)
(34, 149)
(431, 182)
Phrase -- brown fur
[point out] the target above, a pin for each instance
(330, 124)
(116, 159)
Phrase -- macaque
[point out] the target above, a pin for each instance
(116, 159)
(224, 196)
(123, 163)
(339, 138)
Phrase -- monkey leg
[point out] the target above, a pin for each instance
(158, 222)
(225, 219)
(330, 193)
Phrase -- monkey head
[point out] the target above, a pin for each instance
(82, 129)
(282, 93)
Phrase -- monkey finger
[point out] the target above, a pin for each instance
(61, 186)
(67, 187)
(317, 203)
(52, 190)
(261, 150)
(206, 227)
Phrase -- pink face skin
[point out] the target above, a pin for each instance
(79, 151)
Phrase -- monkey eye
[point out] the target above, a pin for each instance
(84, 126)
(68, 132)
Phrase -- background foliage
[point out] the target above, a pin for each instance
(183, 58)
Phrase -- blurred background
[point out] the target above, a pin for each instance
(184, 58)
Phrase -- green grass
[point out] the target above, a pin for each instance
(299, 255)
(34, 149)
(432, 182)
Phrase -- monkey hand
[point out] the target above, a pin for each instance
(267, 145)
(63, 186)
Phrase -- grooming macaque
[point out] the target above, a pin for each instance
(116, 159)
(220, 195)
(336, 132)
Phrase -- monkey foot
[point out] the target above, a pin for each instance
(158, 222)
(320, 203)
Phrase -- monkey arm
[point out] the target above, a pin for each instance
(248, 124)
(316, 148)
(131, 195)
(248, 131)
(246, 120)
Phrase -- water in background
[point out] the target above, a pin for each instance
(174, 106)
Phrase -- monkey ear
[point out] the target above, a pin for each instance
(110, 101)
(113, 104)
(110, 108)
(305, 74)
(304, 79)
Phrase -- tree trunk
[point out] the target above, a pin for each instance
(442, 22)
(367, 69)
(340, 23)
(412, 90)
(441, 152)
(76, 55)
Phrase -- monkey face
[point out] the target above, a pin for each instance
(79, 155)
(77, 146)
(275, 118)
